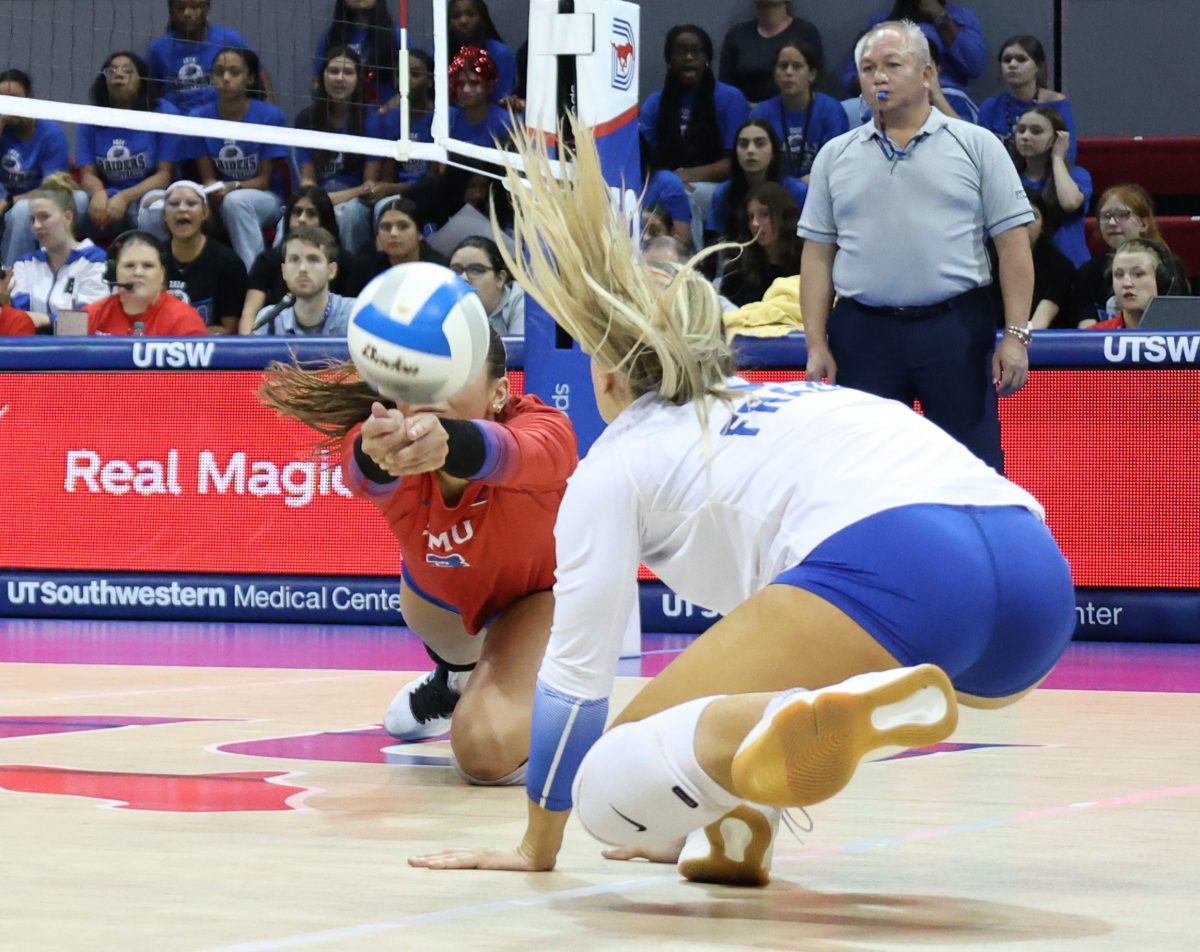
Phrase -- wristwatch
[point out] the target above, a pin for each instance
(1023, 334)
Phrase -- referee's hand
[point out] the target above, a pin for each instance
(1010, 366)
(821, 365)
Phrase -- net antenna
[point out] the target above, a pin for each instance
(404, 146)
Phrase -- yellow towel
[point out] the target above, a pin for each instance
(776, 315)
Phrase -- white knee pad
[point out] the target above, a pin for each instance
(640, 785)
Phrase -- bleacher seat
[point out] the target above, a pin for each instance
(1166, 166)
(1163, 165)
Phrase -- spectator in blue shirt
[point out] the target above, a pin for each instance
(182, 58)
(474, 117)
(471, 25)
(31, 150)
(689, 124)
(366, 27)
(953, 28)
(117, 167)
(1027, 85)
(666, 200)
(1040, 150)
(337, 106)
(803, 120)
(757, 159)
(245, 169)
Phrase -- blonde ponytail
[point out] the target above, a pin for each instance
(58, 187)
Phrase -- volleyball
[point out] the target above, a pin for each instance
(418, 333)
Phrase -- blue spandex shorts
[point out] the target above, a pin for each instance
(982, 592)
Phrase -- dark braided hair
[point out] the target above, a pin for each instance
(700, 143)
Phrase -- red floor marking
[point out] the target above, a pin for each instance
(362, 746)
(249, 791)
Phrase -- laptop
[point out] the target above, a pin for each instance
(1172, 314)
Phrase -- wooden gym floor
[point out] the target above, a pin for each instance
(226, 787)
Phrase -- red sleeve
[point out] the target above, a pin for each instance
(15, 322)
(533, 447)
(1112, 324)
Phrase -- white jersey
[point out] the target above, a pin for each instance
(789, 467)
(78, 282)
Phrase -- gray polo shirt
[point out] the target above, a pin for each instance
(911, 230)
(334, 324)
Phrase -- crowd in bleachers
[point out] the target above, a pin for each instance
(258, 238)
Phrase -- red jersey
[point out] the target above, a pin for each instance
(15, 322)
(1112, 324)
(496, 544)
(166, 317)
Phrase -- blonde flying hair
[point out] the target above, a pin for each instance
(659, 330)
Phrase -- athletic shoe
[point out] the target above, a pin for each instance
(808, 744)
(423, 707)
(735, 850)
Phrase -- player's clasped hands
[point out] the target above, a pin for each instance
(404, 444)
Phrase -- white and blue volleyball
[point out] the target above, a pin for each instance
(418, 333)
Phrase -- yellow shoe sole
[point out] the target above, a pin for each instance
(808, 749)
(738, 850)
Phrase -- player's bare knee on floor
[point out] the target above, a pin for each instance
(481, 751)
(492, 770)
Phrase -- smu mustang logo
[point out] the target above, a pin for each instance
(454, 561)
(458, 534)
(624, 55)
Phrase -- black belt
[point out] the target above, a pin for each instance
(921, 312)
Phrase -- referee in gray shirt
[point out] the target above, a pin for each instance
(896, 221)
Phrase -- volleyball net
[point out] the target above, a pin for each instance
(66, 48)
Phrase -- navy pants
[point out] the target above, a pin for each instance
(941, 356)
